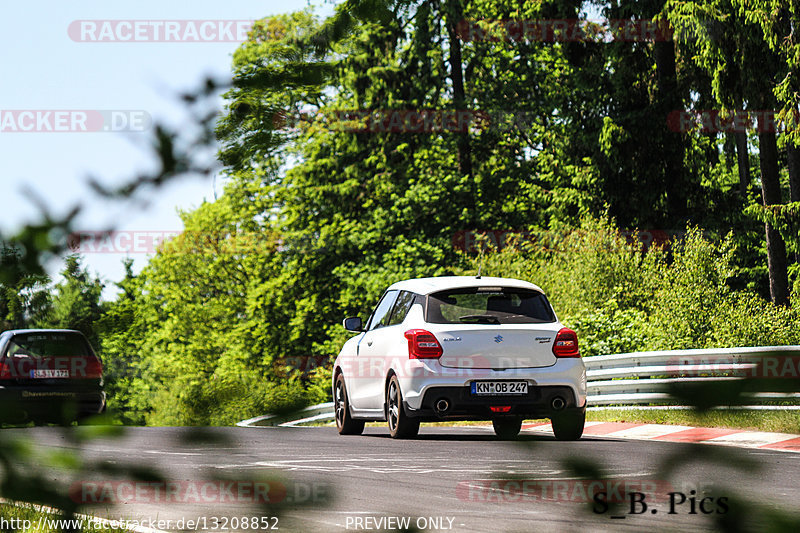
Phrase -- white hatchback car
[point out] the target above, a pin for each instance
(460, 348)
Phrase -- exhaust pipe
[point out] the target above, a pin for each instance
(558, 403)
(441, 406)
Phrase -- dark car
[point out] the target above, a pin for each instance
(50, 375)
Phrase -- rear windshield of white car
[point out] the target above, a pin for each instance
(488, 305)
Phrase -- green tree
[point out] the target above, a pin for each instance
(75, 302)
(744, 69)
(24, 297)
(121, 331)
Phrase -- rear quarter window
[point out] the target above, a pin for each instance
(401, 307)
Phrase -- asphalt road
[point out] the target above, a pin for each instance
(448, 479)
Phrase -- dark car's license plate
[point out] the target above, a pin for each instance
(499, 388)
(46, 373)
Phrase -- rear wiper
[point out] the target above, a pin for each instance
(487, 319)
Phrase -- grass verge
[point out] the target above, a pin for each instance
(22, 517)
(772, 421)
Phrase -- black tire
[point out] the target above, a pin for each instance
(400, 425)
(569, 426)
(345, 423)
(507, 428)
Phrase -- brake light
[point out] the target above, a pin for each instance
(422, 344)
(566, 344)
(500, 408)
(94, 368)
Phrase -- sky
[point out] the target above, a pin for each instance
(50, 65)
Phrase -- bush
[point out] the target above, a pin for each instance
(620, 298)
(696, 308)
(226, 400)
(610, 330)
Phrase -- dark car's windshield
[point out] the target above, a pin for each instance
(48, 344)
(488, 305)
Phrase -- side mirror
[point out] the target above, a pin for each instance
(353, 324)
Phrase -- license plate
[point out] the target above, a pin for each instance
(46, 373)
(497, 388)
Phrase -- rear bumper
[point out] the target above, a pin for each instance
(25, 403)
(426, 384)
(462, 405)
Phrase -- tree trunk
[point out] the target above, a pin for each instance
(673, 149)
(771, 195)
(743, 161)
(455, 13)
(793, 158)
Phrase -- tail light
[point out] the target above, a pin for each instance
(423, 345)
(94, 368)
(566, 344)
(5, 371)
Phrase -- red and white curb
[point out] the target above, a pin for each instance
(784, 442)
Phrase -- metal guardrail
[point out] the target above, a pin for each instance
(315, 413)
(645, 377)
(642, 378)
